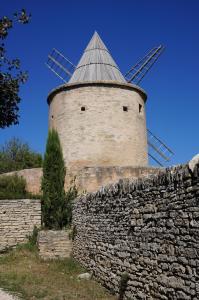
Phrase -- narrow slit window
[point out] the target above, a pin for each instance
(125, 108)
(83, 108)
(140, 108)
(52, 116)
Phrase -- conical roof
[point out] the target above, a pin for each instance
(96, 64)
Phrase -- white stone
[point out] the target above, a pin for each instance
(193, 162)
(86, 276)
(6, 296)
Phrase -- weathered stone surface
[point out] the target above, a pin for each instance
(85, 276)
(103, 134)
(54, 244)
(87, 178)
(194, 162)
(32, 177)
(147, 228)
(17, 220)
(7, 296)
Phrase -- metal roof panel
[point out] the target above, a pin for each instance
(96, 64)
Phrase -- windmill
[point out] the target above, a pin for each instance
(63, 68)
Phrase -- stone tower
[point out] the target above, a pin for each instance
(100, 118)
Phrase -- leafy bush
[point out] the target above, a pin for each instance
(11, 77)
(14, 187)
(16, 155)
(32, 239)
(70, 195)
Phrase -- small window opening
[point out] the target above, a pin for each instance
(140, 108)
(125, 108)
(83, 108)
(52, 116)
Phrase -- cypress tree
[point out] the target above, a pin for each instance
(53, 202)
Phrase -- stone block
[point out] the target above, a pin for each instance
(54, 244)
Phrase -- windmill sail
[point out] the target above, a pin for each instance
(138, 71)
(60, 65)
(158, 151)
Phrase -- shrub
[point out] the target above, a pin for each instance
(16, 155)
(12, 187)
(56, 203)
(31, 244)
(53, 201)
(70, 195)
(32, 239)
(123, 285)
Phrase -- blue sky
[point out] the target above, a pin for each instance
(129, 29)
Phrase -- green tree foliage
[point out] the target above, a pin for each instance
(70, 195)
(12, 187)
(10, 74)
(56, 204)
(53, 183)
(16, 155)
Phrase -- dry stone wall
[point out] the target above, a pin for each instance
(147, 228)
(17, 220)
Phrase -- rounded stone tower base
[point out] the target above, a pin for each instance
(90, 179)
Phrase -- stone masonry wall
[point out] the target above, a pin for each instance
(87, 178)
(103, 134)
(54, 244)
(147, 228)
(32, 177)
(17, 220)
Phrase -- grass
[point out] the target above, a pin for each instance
(23, 272)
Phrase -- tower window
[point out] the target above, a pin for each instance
(125, 108)
(83, 108)
(52, 116)
(140, 108)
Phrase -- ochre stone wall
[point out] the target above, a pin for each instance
(149, 229)
(88, 178)
(17, 220)
(103, 134)
(32, 177)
